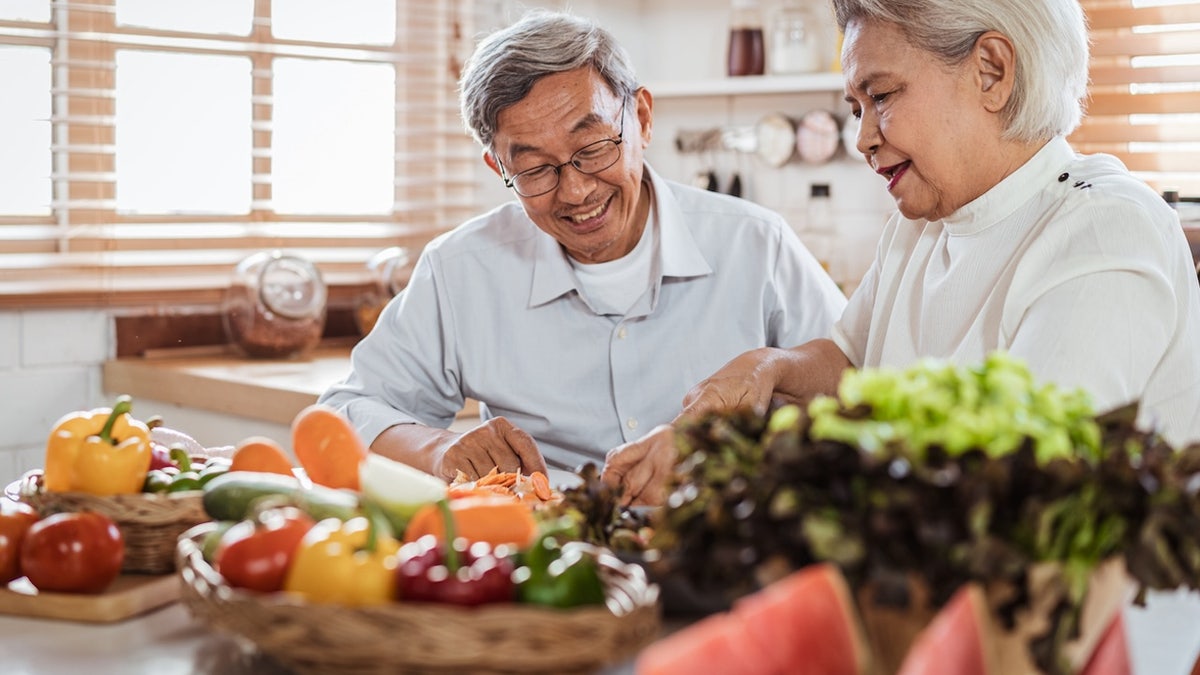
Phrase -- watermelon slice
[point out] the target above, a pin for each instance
(952, 644)
(803, 624)
(1111, 656)
(714, 644)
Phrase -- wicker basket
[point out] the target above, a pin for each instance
(150, 523)
(425, 637)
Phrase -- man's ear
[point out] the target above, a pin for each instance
(490, 160)
(645, 114)
(996, 63)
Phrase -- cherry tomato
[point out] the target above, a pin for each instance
(73, 552)
(256, 554)
(15, 520)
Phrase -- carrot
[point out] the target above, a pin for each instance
(506, 479)
(541, 485)
(259, 453)
(496, 520)
(327, 447)
(471, 490)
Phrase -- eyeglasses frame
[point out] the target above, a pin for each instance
(510, 182)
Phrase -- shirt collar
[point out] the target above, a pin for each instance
(678, 255)
(1014, 191)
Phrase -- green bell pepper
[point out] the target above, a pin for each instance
(554, 574)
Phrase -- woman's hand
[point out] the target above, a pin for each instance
(758, 376)
(746, 381)
(641, 468)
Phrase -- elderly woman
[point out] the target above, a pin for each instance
(1005, 237)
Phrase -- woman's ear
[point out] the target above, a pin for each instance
(996, 63)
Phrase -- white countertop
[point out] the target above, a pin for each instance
(219, 381)
(1163, 641)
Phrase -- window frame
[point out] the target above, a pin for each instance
(87, 254)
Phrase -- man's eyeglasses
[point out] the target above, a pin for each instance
(591, 158)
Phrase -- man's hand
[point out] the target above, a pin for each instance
(495, 443)
(443, 453)
(642, 467)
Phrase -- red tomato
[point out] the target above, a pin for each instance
(73, 552)
(256, 554)
(15, 520)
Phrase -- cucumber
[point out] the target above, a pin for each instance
(232, 496)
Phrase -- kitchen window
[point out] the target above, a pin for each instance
(150, 144)
(1145, 89)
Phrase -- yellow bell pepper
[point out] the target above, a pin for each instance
(101, 452)
(344, 563)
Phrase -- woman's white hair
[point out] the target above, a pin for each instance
(1050, 38)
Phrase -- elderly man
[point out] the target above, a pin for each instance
(580, 314)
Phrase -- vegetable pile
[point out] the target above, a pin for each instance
(944, 474)
(368, 530)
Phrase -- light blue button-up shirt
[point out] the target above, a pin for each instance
(493, 312)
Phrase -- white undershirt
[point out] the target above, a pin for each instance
(613, 287)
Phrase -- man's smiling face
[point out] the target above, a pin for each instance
(596, 217)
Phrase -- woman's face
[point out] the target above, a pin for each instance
(923, 128)
(596, 217)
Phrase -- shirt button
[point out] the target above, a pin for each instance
(631, 423)
(621, 333)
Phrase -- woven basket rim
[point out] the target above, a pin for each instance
(437, 638)
(170, 505)
(149, 522)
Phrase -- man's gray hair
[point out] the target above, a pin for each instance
(507, 63)
(1049, 36)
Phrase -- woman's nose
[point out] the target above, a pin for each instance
(867, 141)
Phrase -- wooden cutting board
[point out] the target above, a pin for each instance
(128, 596)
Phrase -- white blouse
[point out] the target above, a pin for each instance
(1070, 263)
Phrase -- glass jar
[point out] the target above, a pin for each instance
(390, 270)
(794, 45)
(746, 48)
(275, 305)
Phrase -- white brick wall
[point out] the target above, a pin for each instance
(50, 365)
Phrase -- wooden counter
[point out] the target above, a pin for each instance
(218, 380)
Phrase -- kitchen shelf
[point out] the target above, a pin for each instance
(748, 85)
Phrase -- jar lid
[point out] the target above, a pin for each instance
(291, 286)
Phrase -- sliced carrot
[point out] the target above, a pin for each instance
(496, 520)
(506, 479)
(327, 447)
(259, 453)
(541, 485)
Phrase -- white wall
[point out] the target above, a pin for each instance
(51, 364)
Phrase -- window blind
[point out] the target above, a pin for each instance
(89, 245)
(1144, 102)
